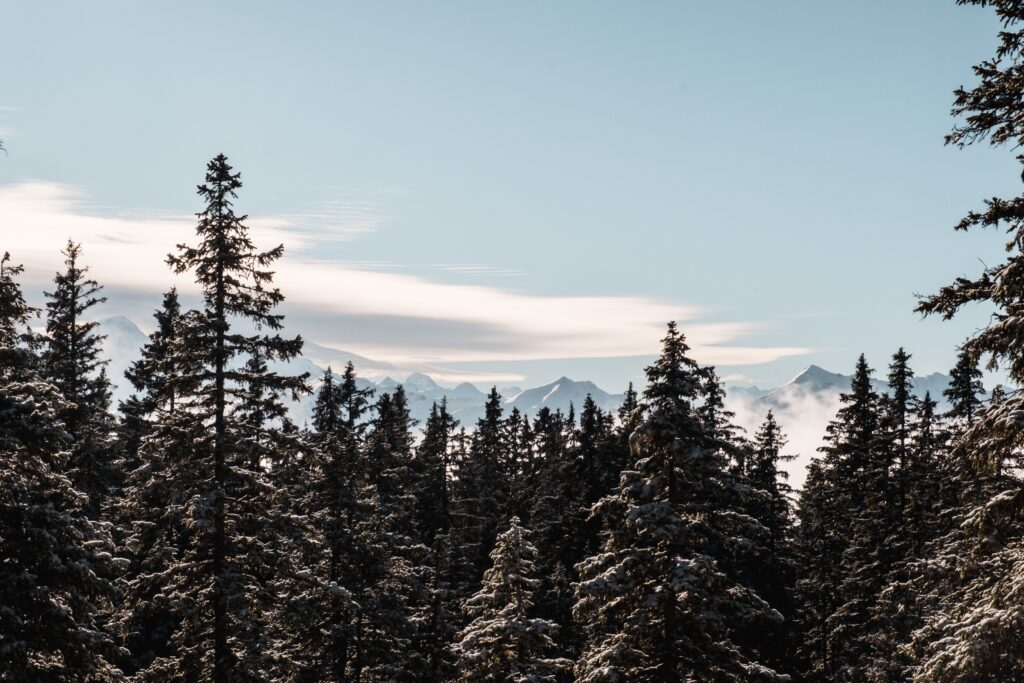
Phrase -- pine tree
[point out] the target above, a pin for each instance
(904, 602)
(434, 460)
(397, 597)
(434, 464)
(556, 515)
(328, 405)
(197, 498)
(333, 491)
(503, 643)
(151, 376)
(974, 635)
(965, 388)
(482, 489)
(663, 602)
(839, 511)
(776, 567)
(144, 629)
(73, 363)
(600, 460)
(53, 561)
(893, 519)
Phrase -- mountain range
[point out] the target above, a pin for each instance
(465, 401)
(803, 406)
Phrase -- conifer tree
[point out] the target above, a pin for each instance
(965, 388)
(434, 461)
(196, 496)
(53, 561)
(600, 459)
(144, 628)
(556, 515)
(73, 363)
(904, 602)
(836, 534)
(974, 634)
(434, 465)
(663, 602)
(482, 490)
(503, 643)
(328, 405)
(151, 376)
(333, 491)
(396, 597)
(771, 567)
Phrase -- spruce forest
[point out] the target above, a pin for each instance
(195, 533)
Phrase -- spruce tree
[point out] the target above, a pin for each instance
(396, 599)
(333, 491)
(151, 376)
(965, 388)
(556, 515)
(434, 465)
(774, 577)
(53, 561)
(482, 489)
(434, 460)
(73, 363)
(328, 405)
(840, 519)
(663, 600)
(197, 497)
(974, 634)
(503, 643)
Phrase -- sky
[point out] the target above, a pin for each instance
(514, 191)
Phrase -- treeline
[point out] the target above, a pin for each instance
(197, 534)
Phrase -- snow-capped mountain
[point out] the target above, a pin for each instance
(817, 381)
(803, 406)
(465, 401)
(562, 393)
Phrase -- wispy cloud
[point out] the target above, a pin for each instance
(368, 308)
(475, 269)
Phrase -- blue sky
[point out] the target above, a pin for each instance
(520, 190)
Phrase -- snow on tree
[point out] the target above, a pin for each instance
(663, 601)
(53, 561)
(972, 634)
(73, 362)
(503, 643)
(208, 526)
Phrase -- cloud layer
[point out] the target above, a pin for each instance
(384, 314)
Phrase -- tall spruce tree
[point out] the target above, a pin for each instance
(775, 576)
(434, 465)
(482, 489)
(53, 561)
(662, 601)
(73, 363)
(434, 462)
(197, 497)
(839, 521)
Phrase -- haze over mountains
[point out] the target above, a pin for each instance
(803, 406)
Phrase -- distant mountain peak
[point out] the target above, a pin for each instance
(818, 377)
(465, 390)
(420, 382)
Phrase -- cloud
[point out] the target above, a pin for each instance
(475, 269)
(365, 308)
(803, 418)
